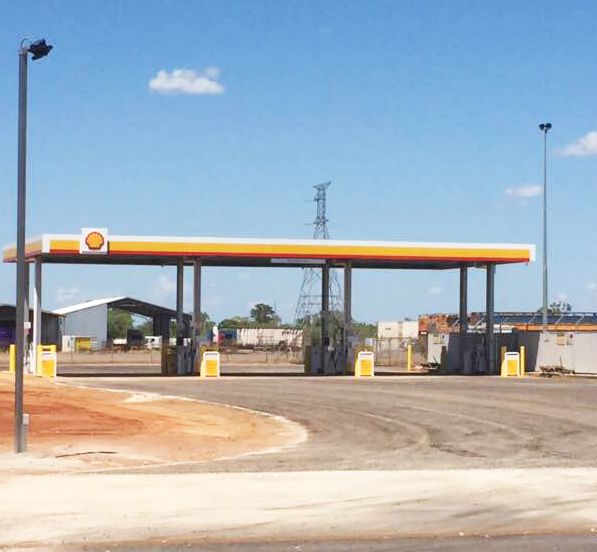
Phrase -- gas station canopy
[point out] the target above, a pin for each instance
(95, 246)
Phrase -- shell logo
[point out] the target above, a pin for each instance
(94, 241)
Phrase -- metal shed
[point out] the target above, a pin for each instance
(50, 326)
(90, 318)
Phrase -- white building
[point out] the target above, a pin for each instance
(90, 319)
(398, 330)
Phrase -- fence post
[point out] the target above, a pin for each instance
(409, 357)
(389, 349)
(522, 361)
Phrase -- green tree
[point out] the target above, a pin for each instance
(557, 307)
(206, 326)
(206, 321)
(146, 328)
(265, 314)
(235, 322)
(364, 330)
(119, 322)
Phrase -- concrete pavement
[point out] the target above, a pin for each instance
(279, 506)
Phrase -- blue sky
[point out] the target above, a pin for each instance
(423, 115)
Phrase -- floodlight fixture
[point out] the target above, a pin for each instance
(39, 49)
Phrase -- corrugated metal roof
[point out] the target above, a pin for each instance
(12, 309)
(87, 305)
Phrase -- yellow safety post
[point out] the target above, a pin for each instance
(47, 361)
(510, 365)
(210, 365)
(503, 350)
(364, 366)
(409, 357)
(522, 361)
(12, 359)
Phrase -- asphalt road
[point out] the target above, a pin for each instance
(391, 423)
(494, 544)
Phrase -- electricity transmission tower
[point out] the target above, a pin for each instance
(309, 301)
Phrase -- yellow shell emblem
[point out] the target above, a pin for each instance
(94, 241)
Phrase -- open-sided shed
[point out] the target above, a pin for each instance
(90, 318)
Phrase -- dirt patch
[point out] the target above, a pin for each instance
(92, 428)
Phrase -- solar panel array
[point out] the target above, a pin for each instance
(535, 318)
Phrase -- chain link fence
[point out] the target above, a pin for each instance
(393, 352)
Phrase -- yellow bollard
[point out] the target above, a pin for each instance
(38, 361)
(522, 361)
(409, 357)
(12, 359)
(510, 365)
(364, 366)
(503, 350)
(210, 365)
(47, 361)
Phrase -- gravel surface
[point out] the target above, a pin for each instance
(406, 422)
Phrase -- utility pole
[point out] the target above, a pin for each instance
(544, 128)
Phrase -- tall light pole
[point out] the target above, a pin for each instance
(38, 50)
(545, 128)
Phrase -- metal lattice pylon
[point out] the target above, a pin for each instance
(309, 301)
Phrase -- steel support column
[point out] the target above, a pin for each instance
(161, 327)
(489, 321)
(197, 321)
(27, 320)
(347, 312)
(463, 316)
(325, 307)
(37, 315)
(179, 318)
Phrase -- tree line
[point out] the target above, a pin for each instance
(261, 315)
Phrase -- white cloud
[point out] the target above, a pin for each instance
(525, 191)
(243, 276)
(591, 286)
(586, 145)
(65, 295)
(187, 81)
(435, 290)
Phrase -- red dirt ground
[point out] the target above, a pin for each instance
(110, 429)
